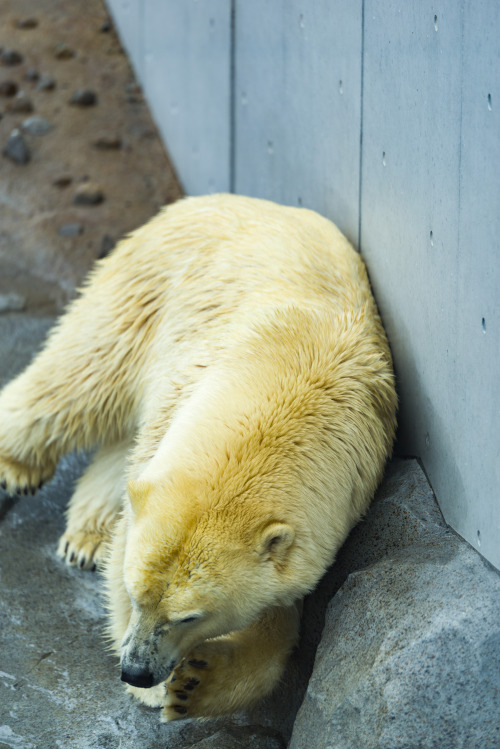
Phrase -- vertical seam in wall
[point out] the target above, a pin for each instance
(459, 196)
(232, 98)
(361, 114)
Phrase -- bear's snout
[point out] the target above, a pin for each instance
(137, 676)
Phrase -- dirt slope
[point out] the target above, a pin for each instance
(107, 155)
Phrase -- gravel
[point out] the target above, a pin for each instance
(17, 149)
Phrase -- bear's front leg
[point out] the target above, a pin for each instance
(232, 673)
(24, 462)
(80, 390)
(94, 507)
(26, 457)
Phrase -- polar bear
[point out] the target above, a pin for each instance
(228, 363)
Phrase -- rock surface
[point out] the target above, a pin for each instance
(12, 302)
(410, 652)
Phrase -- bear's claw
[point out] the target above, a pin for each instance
(83, 548)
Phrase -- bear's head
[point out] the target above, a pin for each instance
(195, 574)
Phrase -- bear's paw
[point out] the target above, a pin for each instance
(215, 679)
(84, 548)
(20, 478)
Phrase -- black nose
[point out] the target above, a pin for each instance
(138, 677)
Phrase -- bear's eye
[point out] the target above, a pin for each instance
(186, 619)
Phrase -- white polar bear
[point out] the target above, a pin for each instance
(229, 363)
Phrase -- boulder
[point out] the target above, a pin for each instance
(410, 651)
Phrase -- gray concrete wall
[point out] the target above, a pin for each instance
(385, 117)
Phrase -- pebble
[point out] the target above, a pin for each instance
(20, 104)
(11, 57)
(32, 75)
(17, 149)
(108, 142)
(12, 302)
(37, 125)
(107, 244)
(8, 88)
(83, 98)
(45, 83)
(63, 181)
(63, 51)
(71, 230)
(88, 194)
(27, 23)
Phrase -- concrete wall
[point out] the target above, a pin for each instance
(384, 116)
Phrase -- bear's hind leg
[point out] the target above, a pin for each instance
(94, 507)
(232, 673)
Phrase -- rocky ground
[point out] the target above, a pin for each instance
(82, 162)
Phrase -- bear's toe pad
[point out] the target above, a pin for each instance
(189, 693)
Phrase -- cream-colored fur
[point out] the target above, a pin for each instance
(229, 361)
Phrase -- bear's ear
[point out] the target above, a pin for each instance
(138, 492)
(274, 541)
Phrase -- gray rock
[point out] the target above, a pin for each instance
(11, 57)
(12, 302)
(88, 194)
(83, 97)
(71, 230)
(8, 88)
(20, 104)
(410, 653)
(45, 83)
(64, 180)
(36, 125)
(27, 23)
(17, 149)
(108, 142)
(63, 51)
(32, 75)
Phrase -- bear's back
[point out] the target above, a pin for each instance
(206, 270)
(223, 253)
